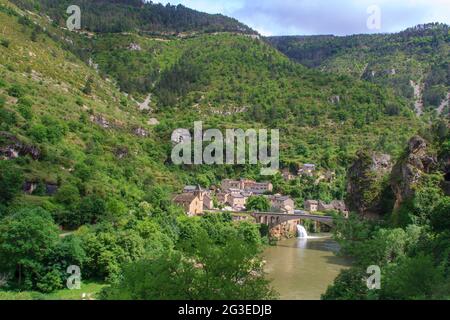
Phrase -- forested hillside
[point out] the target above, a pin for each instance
(419, 54)
(135, 15)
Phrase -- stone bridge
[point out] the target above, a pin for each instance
(283, 225)
(273, 219)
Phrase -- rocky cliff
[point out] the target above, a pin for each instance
(376, 187)
(406, 174)
(368, 182)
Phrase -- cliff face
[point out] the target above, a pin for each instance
(367, 183)
(407, 172)
(375, 187)
(11, 147)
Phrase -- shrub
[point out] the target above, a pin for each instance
(16, 91)
(50, 282)
(11, 181)
(88, 87)
(55, 129)
(25, 108)
(411, 279)
(50, 130)
(7, 119)
(38, 133)
(349, 285)
(5, 43)
(68, 195)
(34, 235)
(440, 218)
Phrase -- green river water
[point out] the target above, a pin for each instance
(302, 269)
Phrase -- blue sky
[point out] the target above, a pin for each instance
(339, 17)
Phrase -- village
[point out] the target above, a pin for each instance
(233, 195)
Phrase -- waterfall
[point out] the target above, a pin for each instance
(301, 232)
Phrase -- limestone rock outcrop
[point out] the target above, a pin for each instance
(408, 171)
(368, 182)
(11, 147)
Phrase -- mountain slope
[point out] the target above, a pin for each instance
(135, 15)
(227, 80)
(415, 59)
(86, 137)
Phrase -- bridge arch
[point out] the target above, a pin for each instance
(274, 219)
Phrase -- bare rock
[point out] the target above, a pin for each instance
(11, 147)
(410, 168)
(367, 183)
(140, 132)
(101, 121)
(134, 47)
(335, 99)
(153, 122)
(29, 187)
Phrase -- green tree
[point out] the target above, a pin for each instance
(349, 285)
(440, 218)
(88, 86)
(11, 181)
(222, 273)
(27, 237)
(68, 195)
(223, 265)
(107, 250)
(412, 278)
(258, 203)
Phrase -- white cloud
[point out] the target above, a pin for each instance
(324, 16)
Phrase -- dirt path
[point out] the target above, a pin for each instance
(418, 105)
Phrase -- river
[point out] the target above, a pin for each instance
(302, 269)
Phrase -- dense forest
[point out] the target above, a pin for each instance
(420, 54)
(135, 15)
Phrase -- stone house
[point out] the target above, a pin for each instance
(237, 201)
(282, 204)
(228, 184)
(222, 197)
(336, 205)
(287, 175)
(208, 203)
(192, 202)
(234, 191)
(311, 205)
(257, 187)
(189, 189)
(247, 185)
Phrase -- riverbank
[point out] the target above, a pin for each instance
(302, 269)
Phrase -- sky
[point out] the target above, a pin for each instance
(338, 17)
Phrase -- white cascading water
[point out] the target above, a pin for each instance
(301, 232)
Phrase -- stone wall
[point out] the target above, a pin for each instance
(285, 230)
